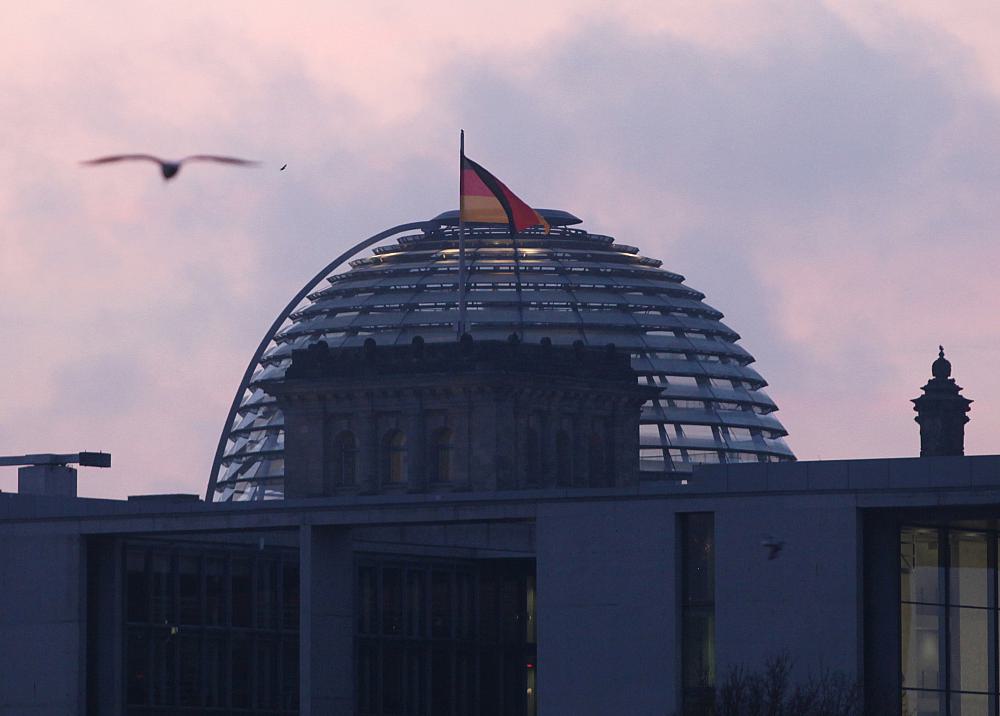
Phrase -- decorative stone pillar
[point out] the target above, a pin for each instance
(482, 426)
(415, 426)
(941, 412)
(548, 425)
(505, 437)
(368, 445)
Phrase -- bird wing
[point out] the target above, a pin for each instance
(123, 157)
(216, 158)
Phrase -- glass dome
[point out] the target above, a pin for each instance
(569, 285)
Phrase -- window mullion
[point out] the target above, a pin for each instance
(944, 652)
(991, 622)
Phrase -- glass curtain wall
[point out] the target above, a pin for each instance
(948, 620)
(210, 629)
(697, 532)
(445, 638)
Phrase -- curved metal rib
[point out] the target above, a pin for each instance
(278, 322)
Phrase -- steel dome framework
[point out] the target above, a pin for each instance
(570, 285)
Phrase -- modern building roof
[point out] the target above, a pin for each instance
(569, 285)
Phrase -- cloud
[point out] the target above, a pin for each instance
(825, 173)
(831, 195)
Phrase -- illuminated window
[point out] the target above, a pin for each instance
(697, 611)
(441, 455)
(344, 454)
(394, 457)
(948, 616)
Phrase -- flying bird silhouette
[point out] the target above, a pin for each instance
(772, 545)
(282, 167)
(169, 167)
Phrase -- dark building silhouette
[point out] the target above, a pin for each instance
(941, 412)
(568, 285)
(461, 416)
(469, 528)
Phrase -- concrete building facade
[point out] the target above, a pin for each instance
(519, 525)
(611, 628)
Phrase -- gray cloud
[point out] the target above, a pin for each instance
(826, 192)
(831, 147)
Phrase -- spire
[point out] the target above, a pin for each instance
(941, 412)
(941, 368)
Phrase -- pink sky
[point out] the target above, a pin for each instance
(827, 173)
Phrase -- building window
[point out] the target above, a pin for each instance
(441, 455)
(344, 459)
(437, 636)
(564, 459)
(532, 457)
(394, 457)
(948, 619)
(208, 627)
(697, 531)
(651, 459)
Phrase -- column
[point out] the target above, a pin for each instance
(326, 621)
(368, 445)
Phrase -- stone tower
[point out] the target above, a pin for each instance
(463, 416)
(941, 412)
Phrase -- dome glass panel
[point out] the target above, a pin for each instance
(569, 285)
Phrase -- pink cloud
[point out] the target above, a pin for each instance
(754, 147)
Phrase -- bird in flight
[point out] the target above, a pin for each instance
(772, 545)
(282, 167)
(168, 167)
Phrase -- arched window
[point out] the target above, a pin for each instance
(344, 459)
(597, 461)
(394, 457)
(532, 457)
(441, 455)
(564, 459)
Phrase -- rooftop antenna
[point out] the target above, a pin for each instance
(49, 473)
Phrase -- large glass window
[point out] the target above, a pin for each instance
(441, 455)
(210, 628)
(344, 459)
(697, 533)
(445, 637)
(948, 619)
(394, 457)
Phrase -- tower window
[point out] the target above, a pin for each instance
(441, 455)
(394, 457)
(344, 459)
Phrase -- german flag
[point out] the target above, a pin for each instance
(484, 198)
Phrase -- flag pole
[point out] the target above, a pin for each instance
(517, 282)
(461, 238)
